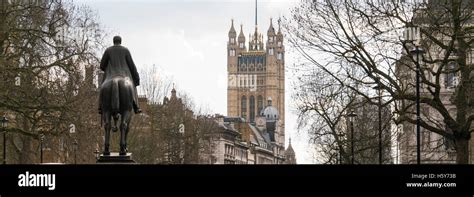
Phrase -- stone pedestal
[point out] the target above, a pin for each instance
(116, 158)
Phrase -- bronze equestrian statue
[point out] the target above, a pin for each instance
(118, 93)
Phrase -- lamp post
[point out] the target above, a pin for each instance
(41, 147)
(338, 155)
(4, 126)
(417, 51)
(379, 89)
(351, 116)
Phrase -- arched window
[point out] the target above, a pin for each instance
(243, 107)
(252, 108)
(260, 103)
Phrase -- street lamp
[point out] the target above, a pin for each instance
(4, 126)
(41, 147)
(338, 156)
(417, 52)
(351, 116)
(379, 88)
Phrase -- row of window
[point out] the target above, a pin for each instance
(279, 54)
(229, 150)
(256, 47)
(450, 78)
(251, 67)
(232, 53)
(241, 153)
(270, 39)
(261, 160)
(243, 106)
(247, 81)
(231, 153)
(227, 161)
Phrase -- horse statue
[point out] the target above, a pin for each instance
(118, 94)
(117, 103)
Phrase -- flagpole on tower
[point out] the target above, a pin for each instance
(255, 13)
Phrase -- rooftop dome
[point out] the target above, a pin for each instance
(270, 112)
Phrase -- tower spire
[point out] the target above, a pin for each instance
(279, 21)
(232, 30)
(241, 34)
(173, 92)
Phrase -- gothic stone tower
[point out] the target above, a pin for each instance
(255, 74)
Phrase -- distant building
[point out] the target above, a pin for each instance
(255, 74)
(242, 142)
(434, 148)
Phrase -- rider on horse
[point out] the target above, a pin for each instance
(119, 58)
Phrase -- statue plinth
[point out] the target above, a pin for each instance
(116, 158)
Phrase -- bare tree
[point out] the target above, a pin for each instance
(324, 107)
(365, 35)
(145, 139)
(45, 47)
(169, 131)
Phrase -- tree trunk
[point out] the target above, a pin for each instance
(462, 150)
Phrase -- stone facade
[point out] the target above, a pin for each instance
(255, 73)
(434, 148)
(240, 142)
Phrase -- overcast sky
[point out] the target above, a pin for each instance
(187, 39)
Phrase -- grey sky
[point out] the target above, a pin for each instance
(187, 40)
